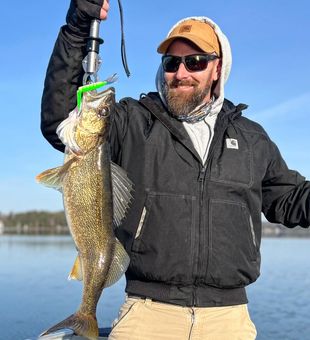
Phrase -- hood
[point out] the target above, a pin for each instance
(225, 71)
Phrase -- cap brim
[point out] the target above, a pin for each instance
(204, 46)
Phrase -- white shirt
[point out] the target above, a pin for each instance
(201, 134)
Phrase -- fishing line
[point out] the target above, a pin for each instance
(92, 61)
(123, 46)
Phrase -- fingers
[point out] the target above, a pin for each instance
(104, 10)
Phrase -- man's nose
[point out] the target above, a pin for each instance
(182, 72)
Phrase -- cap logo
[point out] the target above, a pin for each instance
(185, 29)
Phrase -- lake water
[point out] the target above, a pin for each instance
(35, 292)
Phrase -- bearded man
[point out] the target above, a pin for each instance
(202, 174)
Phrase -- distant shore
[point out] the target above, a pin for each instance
(278, 230)
(27, 230)
(269, 230)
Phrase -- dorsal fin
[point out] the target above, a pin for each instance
(122, 187)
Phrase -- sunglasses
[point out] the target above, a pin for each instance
(193, 62)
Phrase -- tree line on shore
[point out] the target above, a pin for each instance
(55, 223)
(34, 219)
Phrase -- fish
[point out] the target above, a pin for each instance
(96, 196)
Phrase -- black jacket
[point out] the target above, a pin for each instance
(193, 232)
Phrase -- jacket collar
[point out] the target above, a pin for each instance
(154, 105)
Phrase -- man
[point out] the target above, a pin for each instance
(202, 174)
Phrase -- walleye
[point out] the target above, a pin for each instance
(87, 180)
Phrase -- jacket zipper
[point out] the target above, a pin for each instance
(206, 168)
(201, 180)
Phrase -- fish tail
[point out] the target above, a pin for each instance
(82, 324)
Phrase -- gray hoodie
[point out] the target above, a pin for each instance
(201, 132)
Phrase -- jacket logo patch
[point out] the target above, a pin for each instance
(232, 143)
(185, 29)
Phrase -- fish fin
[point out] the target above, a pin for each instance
(77, 270)
(82, 324)
(66, 131)
(53, 178)
(119, 264)
(122, 187)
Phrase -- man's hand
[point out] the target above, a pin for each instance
(104, 10)
(81, 12)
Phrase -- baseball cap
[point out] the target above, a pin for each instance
(198, 32)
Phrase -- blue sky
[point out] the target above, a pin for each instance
(270, 72)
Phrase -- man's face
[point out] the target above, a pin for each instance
(185, 90)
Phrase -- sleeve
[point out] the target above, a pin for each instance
(119, 126)
(63, 77)
(286, 194)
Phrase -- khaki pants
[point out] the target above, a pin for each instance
(144, 319)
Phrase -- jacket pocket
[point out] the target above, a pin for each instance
(162, 247)
(226, 166)
(234, 255)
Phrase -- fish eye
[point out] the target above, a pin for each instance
(104, 113)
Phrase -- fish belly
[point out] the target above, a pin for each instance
(88, 205)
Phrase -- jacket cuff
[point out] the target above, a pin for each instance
(73, 37)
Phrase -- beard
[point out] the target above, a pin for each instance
(184, 104)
